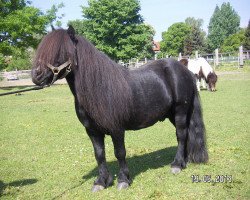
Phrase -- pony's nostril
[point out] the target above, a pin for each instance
(37, 76)
(36, 73)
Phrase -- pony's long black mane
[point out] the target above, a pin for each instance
(101, 84)
(104, 90)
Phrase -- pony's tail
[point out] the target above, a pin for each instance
(196, 143)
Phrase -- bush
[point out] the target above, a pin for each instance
(19, 64)
(2, 62)
(1, 77)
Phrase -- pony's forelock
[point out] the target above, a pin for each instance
(54, 47)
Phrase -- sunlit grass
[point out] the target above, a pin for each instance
(45, 152)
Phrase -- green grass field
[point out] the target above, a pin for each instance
(46, 154)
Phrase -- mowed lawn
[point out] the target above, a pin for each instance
(46, 154)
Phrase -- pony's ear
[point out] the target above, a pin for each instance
(71, 32)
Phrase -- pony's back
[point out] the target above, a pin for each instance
(195, 65)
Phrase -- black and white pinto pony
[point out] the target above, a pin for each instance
(203, 71)
(110, 99)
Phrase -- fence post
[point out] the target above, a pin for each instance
(241, 56)
(137, 63)
(155, 56)
(180, 56)
(196, 54)
(216, 60)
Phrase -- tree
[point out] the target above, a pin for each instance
(52, 16)
(191, 21)
(116, 28)
(18, 24)
(233, 42)
(224, 22)
(246, 43)
(173, 39)
(195, 40)
(22, 26)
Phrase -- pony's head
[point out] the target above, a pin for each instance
(55, 56)
(211, 81)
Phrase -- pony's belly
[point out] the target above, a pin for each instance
(144, 125)
(145, 119)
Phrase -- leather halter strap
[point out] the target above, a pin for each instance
(57, 70)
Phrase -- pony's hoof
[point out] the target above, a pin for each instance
(122, 186)
(175, 170)
(97, 188)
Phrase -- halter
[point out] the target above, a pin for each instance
(57, 70)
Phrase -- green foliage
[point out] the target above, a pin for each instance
(2, 62)
(116, 28)
(195, 40)
(224, 22)
(233, 42)
(191, 21)
(19, 60)
(246, 43)
(173, 39)
(52, 16)
(19, 64)
(21, 27)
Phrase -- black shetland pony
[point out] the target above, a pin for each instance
(110, 99)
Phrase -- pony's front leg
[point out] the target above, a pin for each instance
(120, 154)
(204, 85)
(104, 179)
(198, 84)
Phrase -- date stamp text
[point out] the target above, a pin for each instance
(212, 179)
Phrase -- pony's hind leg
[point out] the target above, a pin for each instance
(180, 122)
(104, 179)
(120, 154)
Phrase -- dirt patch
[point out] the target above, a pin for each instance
(24, 82)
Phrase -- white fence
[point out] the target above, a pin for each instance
(214, 59)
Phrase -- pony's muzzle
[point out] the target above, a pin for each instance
(37, 76)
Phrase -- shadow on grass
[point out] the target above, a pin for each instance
(136, 164)
(141, 163)
(19, 183)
